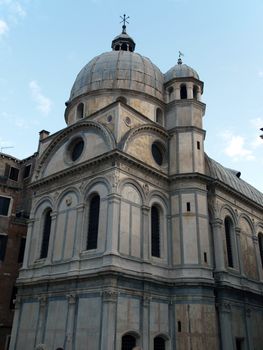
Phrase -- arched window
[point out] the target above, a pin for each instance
(80, 111)
(124, 47)
(195, 92)
(159, 343)
(170, 93)
(46, 234)
(183, 92)
(229, 241)
(155, 230)
(94, 211)
(128, 342)
(260, 244)
(159, 116)
(117, 48)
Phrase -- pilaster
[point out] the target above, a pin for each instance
(109, 309)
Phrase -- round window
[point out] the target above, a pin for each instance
(76, 149)
(157, 153)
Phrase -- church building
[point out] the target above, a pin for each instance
(137, 239)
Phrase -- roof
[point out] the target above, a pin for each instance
(180, 71)
(232, 179)
(119, 70)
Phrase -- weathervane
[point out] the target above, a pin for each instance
(180, 59)
(124, 21)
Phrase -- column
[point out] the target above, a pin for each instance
(258, 258)
(238, 252)
(218, 245)
(172, 324)
(79, 232)
(15, 325)
(146, 299)
(189, 87)
(224, 310)
(51, 238)
(249, 331)
(146, 232)
(108, 327)
(28, 243)
(41, 319)
(177, 93)
(71, 320)
(113, 223)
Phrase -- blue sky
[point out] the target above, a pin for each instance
(45, 43)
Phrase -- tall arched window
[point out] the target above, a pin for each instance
(183, 92)
(155, 230)
(128, 342)
(94, 211)
(46, 234)
(229, 241)
(260, 244)
(80, 110)
(159, 116)
(159, 343)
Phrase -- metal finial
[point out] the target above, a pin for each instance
(124, 21)
(180, 59)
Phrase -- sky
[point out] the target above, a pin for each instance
(45, 43)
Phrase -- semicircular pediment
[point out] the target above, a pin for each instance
(76, 144)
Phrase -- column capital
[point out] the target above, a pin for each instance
(71, 298)
(145, 209)
(217, 222)
(42, 299)
(114, 198)
(17, 302)
(146, 299)
(110, 295)
(224, 307)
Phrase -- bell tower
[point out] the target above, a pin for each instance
(185, 111)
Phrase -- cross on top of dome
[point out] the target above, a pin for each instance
(123, 42)
(124, 21)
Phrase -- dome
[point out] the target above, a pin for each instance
(180, 70)
(119, 70)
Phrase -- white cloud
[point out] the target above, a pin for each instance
(3, 27)
(235, 147)
(43, 103)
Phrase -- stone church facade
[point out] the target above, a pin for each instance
(136, 238)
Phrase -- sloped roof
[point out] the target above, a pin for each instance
(232, 179)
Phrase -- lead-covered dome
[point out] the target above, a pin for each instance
(119, 70)
(180, 70)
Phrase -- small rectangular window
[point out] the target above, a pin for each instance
(198, 144)
(3, 243)
(26, 171)
(21, 250)
(4, 205)
(13, 175)
(188, 206)
(205, 257)
(179, 326)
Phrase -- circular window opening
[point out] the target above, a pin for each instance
(76, 149)
(157, 153)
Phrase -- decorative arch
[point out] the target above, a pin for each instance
(68, 191)
(68, 132)
(226, 210)
(160, 342)
(98, 185)
(44, 202)
(134, 184)
(153, 129)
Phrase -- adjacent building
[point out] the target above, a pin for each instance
(15, 199)
(136, 237)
